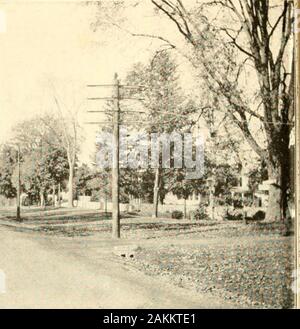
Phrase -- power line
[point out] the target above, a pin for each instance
(112, 98)
(164, 112)
(106, 111)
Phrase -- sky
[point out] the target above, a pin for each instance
(50, 45)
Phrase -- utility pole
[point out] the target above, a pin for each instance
(155, 193)
(116, 98)
(213, 183)
(19, 187)
(105, 193)
(115, 166)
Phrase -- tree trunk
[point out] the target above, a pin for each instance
(156, 194)
(42, 198)
(53, 195)
(58, 196)
(184, 210)
(274, 203)
(279, 172)
(70, 185)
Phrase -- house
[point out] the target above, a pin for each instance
(243, 185)
(172, 199)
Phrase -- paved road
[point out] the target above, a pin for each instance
(41, 272)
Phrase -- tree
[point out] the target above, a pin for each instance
(58, 168)
(83, 175)
(42, 169)
(7, 164)
(34, 181)
(44, 160)
(257, 176)
(67, 133)
(65, 129)
(163, 101)
(100, 185)
(222, 53)
(183, 188)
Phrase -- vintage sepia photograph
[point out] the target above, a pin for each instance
(148, 155)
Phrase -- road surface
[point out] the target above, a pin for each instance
(46, 272)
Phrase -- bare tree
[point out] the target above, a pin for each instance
(65, 128)
(69, 138)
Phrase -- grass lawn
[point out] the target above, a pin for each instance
(254, 273)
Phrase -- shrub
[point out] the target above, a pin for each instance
(235, 214)
(199, 214)
(259, 215)
(176, 214)
(238, 202)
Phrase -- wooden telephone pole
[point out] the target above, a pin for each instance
(115, 166)
(116, 150)
(116, 98)
(19, 187)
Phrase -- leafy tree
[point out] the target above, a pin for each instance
(32, 181)
(183, 188)
(7, 163)
(83, 175)
(41, 170)
(257, 176)
(100, 184)
(241, 40)
(44, 164)
(56, 167)
(163, 101)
